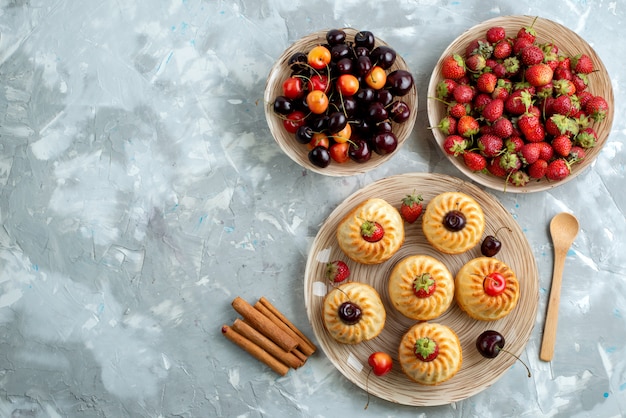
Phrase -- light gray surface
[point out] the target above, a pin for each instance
(141, 192)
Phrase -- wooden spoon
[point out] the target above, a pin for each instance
(563, 229)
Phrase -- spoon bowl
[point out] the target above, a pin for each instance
(563, 229)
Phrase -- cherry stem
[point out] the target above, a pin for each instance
(520, 360)
(502, 227)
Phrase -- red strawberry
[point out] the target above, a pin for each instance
(538, 169)
(514, 104)
(467, 126)
(502, 127)
(411, 207)
(454, 145)
(456, 110)
(474, 161)
(519, 178)
(528, 32)
(424, 285)
(463, 93)
(545, 152)
(519, 44)
(372, 231)
(561, 125)
(502, 89)
(337, 271)
(539, 74)
(426, 349)
(597, 108)
(445, 88)
(490, 145)
(511, 66)
(558, 169)
(564, 87)
(475, 62)
(562, 105)
(447, 125)
(494, 167)
(495, 34)
(478, 46)
(586, 138)
(583, 98)
(513, 144)
(582, 63)
(453, 67)
(530, 152)
(531, 127)
(493, 110)
(581, 81)
(510, 162)
(486, 82)
(531, 55)
(562, 145)
(576, 154)
(480, 101)
(502, 49)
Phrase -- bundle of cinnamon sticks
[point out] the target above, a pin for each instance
(268, 336)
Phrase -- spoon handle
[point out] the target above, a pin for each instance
(552, 317)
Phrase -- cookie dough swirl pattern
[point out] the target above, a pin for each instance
(470, 294)
(373, 313)
(443, 367)
(453, 242)
(355, 247)
(401, 291)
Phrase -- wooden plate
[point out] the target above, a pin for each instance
(477, 373)
(298, 152)
(569, 43)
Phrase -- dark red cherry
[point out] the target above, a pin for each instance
(335, 36)
(364, 39)
(383, 56)
(283, 105)
(363, 65)
(304, 134)
(359, 151)
(454, 220)
(385, 143)
(489, 343)
(319, 156)
(399, 82)
(349, 313)
(345, 66)
(490, 246)
(376, 112)
(399, 111)
(336, 122)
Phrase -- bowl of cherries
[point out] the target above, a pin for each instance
(340, 102)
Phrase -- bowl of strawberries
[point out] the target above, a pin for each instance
(340, 102)
(520, 104)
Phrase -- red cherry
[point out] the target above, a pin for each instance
(380, 362)
(494, 284)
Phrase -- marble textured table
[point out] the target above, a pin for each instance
(141, 191)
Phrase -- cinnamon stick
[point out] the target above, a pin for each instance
(284, 319)
(302, 345)
(254, 350)
(264, 325)
(290, 359)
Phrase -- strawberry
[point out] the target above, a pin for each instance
(453, 67)
(513, 144)
(531, 127)
(562, 145)
(562, 105)
(519, 44)
(511, 66)
(538, 169)
(597, 108)
(528, 32)
(586, 138)
(576, 154)
(493, 110)
(582, 63)
(502, 49)
(475, 63)
(545, 152)
(558, 169)
(583, 98)
(531, 55)
(474, 161)
(519, 178)
(561, 125)
(530, 152)
(445, 88)
(456, 110)
(480, 101)
(495, 34)
(580, 81)
(467, 126)
(510, 162)
(337, 271)
(424, 285)
(426, 349)
(539, 74)
(372, 231)
(486, 82)
(502, 127)
(447, 125)
(463, 93)
(411, 207)
(494, 167)
(479, 46)
(502, 89)
(490, 145)
(454, 145)
(514, 104)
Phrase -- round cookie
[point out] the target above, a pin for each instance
(470, 285)
(421, 287)
(435, 368)
(353, 312)
(453, 222)
(356, 247)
